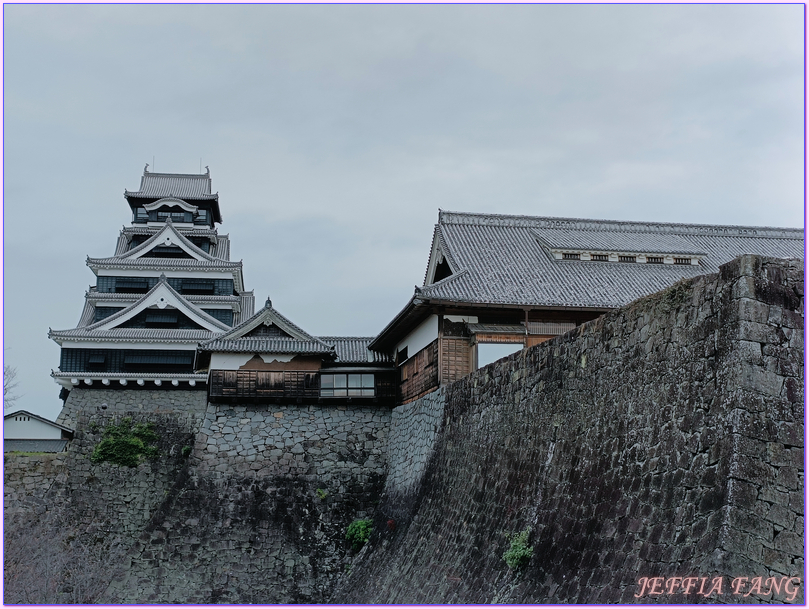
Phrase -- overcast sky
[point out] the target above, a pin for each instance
(335, 133)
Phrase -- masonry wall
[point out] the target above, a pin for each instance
(662, 440)
(245, 503)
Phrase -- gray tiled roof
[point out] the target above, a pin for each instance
(115, 262)
(180, 185)
(496, 328)
(354, 349)
(266, 345)
(501, 260)
(132, 335)
(34, 446)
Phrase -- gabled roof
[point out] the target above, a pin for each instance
(186, 186)
(220, 243)
(354, 350)
(167, 235)
(17, 413)
(503, 260)
(161, 295)
(507, 259)
(239, 340)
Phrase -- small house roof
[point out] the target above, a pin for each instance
(26, 413)
(294, 340)
(354, 350)
(34, 446)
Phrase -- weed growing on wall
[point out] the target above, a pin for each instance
(519, 552)
(358, 532)
(126, 444)
(322, 494)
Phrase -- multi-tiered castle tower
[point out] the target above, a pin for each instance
(169, 286)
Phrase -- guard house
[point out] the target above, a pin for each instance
(269, 359)
(497, 283)
(169, 285)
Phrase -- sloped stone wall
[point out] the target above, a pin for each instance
(260, 516)
(661, 441)
(30, 480)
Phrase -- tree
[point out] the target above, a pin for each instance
(9, 383)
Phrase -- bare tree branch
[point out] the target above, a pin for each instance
(10, 382)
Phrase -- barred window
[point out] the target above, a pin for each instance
(654, 259)
(567, 256)
(682, 261)
(601, 257)
(627, 259)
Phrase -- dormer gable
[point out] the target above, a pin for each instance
(169, 202)
(440, 265)
(167, 237)
(162, 297)
(268, 323)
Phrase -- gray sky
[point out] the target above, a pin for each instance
(334, 134)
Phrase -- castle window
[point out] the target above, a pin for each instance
(601, 257)
(198, 286)
(682, 261)
(567, 256)
(654, 259)
(346, 385)
(162, 216)
(627, 259)
(141, 215)
(132, 285)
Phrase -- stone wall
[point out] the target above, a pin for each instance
(190, 404)
(262, 513)
(30, 480)
(663, 440)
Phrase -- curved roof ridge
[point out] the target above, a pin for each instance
(169, 226)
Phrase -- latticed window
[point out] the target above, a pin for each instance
(568, 256)
(346, 385)
(627, 259)
(682, 261)
(655, 260)
(601, 257)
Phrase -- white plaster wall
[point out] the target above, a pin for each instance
(29, 430)
(234, 361)
(422, 336)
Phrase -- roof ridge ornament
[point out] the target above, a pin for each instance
(268, 303)
(146, 169)
(163, 278)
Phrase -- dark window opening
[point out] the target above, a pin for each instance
(96, 362)
(198, 287)
(175, 216)
(141, 216)
(131, 286)
(627, 259)
(223, 315)
(104, 312)
(401, 356)
(601, 257)
(567, 256)
(442, 271)
(682, 261)
(167, 251)
(654, 260)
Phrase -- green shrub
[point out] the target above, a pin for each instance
(322, 494)
(519, 552)
(358, 533)
(126, 444)
(186, 450)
